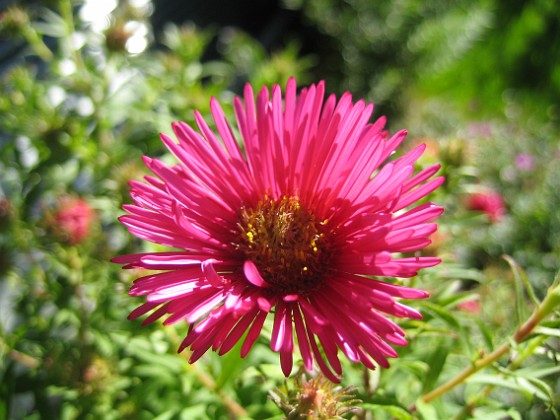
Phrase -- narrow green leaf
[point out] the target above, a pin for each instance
(441, 313)
(522, 385)
(435, 362)
(521, 311)
(546, 331)
(486, 334)
(194, 412)
(169, 414)
(426, 410)
(458, 298)
(231, 364)
(538, 372)
(394, 411)
(487, 413)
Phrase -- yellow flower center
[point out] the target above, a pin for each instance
(288, 246)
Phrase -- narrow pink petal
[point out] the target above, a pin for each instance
(389, 288)
(264, 304)
(330, 349)
(252, 274)
(311, 315)
(303, 340)
(320, 361)
(199, 352)
(237, 332)
(141, 310)
(211, 274)
(365, 359)
(287, 343)
(157, 314)
(418, 193)
(279, 326)
(421, 176)
(205, 307)
(253, 333)
(224, 329)
(224, 130)
(174, 292)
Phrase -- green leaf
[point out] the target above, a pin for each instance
(519, 384)
(485, 413)
(415, 367)
(463, 273)
(435, 362)
(521, 279)
(231, 364)
(194, 412)
(443, 314)
(394, 411)
(538, 372)
(426, 410)
(486, 334)
(167, 415)
(457, 298)
(53, 24)
(552, 332)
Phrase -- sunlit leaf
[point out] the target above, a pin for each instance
(521, 280)
(486, 334)
(435, 362)
(426, 410)
(394, 411)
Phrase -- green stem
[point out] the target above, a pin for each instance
(20, 357)
(548, 305)
(67, 15)
(475, 367)
(36, 43)
(471, 405)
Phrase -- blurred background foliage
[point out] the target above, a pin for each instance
(86, 88)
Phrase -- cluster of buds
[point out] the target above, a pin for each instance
(315, 398)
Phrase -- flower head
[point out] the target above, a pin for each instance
(490, 202)
(73, 219)
(284, 221)
(471, 306)
(315, 398)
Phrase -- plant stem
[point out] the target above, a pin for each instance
(37, 44)
(547, 306)
(475, 367)
(533, 345)
(30, 362)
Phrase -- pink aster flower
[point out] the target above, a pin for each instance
(73, 219)
(290, 220)
(491, 203)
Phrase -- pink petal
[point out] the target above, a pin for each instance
(252, 274)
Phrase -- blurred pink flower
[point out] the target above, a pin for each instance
(479, 129)
(491, 203)
(288, 222)
(471, 306)
(525, 162)
(73, 219)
